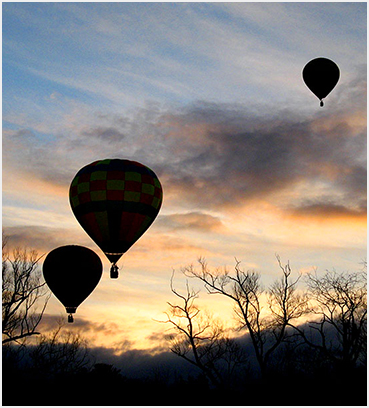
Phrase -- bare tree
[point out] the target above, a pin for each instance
(201, 340)
(267, 330)
(59, 352)
(340, 304)
(285, 302)
(22, 290)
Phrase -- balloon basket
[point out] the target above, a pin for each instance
(70, 310)
(114, 272)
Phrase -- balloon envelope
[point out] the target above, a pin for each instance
(321, 76)
(72, 273)
(115, 201)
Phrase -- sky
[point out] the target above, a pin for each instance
(209, 96)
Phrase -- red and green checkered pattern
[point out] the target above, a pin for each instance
(115, 201)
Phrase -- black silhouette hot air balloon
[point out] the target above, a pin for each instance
(115, 201)
(321, 76)
(72, 273)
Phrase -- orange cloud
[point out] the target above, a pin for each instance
(330, 212)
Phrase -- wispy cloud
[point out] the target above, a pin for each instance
(222, 52)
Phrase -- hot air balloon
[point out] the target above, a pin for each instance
(72, 273)
(115, 201)
(321, 76)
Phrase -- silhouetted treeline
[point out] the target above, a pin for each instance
(298, 375)
(279, 360)
(287, 358)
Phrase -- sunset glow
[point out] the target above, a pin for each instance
(210, 97)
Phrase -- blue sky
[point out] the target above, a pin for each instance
(119, 54)
(208, 95)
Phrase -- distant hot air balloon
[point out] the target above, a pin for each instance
(72, 273)
(115, 201)
(321, 76)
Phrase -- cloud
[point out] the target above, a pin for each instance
(213, 156)
(108, 134)
(30, 153)
(43, 239)
(136, 363)
(237, 157)
(89, 330)
(190, 221)
(326, 210)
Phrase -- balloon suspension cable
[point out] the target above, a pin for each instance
(70, 318)
(114, 271)
(321, 103)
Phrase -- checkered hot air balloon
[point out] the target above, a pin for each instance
(115, 201)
